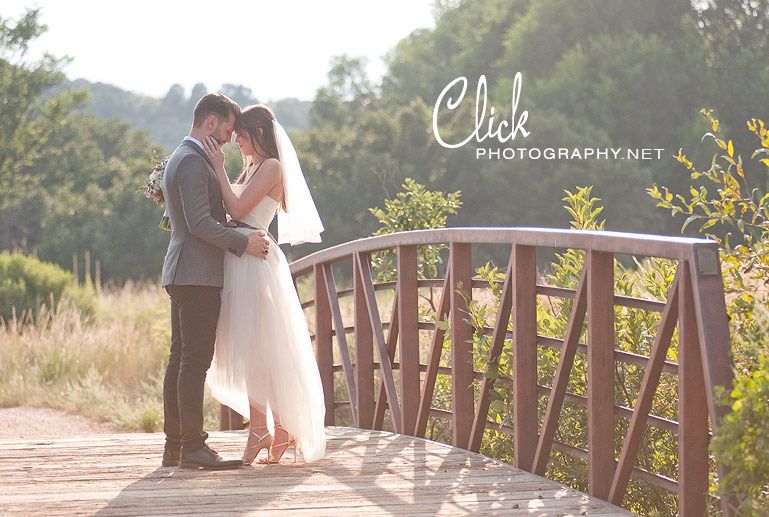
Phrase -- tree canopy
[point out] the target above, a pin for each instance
(598, 73)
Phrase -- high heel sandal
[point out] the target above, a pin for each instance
(252, 450)
(276, 459)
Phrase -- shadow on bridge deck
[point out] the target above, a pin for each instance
(363, 473)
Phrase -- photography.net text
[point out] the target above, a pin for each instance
(487, 126)
(570, 153)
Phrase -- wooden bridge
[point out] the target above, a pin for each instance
(363, 473)
(386, 376)
(399, 360)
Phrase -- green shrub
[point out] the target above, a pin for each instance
(108, 367)
(728, 209)
(414, 208)
(742, 441)
(27, 284)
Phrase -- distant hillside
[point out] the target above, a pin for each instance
(168, 119)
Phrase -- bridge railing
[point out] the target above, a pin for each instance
(404, 386)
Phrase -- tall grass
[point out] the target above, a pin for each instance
(108, 367)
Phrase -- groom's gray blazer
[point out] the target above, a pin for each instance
(194, 206)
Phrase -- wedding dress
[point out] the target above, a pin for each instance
(263, 351)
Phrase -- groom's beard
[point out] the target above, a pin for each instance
(220, 138)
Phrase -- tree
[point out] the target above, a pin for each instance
(198, 91)
(95, 167)
(68, 180)
(734, 26)
(736, 37)
(596, 74)
(239, 93)
(28, 119)
(347, 94)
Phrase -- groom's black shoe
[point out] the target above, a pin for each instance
(171, 456)
(207, 458)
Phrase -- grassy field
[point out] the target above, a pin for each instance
(109, 367)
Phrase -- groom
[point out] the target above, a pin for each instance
(193, 274)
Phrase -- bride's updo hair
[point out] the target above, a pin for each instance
(255, 122)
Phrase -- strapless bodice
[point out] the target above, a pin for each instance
(262, 214)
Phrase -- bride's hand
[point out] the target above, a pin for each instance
(215, 154)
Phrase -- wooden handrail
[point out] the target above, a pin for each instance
(695, 306)
(614, 242)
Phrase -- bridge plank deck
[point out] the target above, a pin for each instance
(363, 473)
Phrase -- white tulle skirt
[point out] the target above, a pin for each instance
(263, 350)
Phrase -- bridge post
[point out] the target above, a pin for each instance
(525, 355)
(324, 353)
(692, 407)
(364, 350)
(229, 419)
(461, 345)
(408, 327)
(713, 333)
(600, 372)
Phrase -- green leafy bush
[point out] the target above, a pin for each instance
(27, 284)
(415, 208)
(742, 441)
(735, 214)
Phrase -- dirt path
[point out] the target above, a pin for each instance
(29, 422)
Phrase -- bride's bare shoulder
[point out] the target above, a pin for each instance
(266, 175)
(270, 171)
(271, 164)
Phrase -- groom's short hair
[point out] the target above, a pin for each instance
(214, 104)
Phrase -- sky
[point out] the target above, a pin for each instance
(278, 48)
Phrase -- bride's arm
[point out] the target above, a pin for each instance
(256, 189)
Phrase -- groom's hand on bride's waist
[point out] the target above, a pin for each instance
(259, 244)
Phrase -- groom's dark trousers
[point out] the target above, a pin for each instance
(194, 313)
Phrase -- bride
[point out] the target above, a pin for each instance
(263, 365)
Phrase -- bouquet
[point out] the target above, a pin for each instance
(152, 188)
